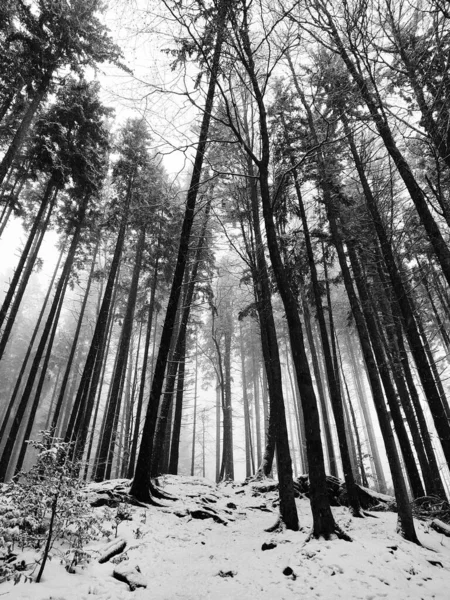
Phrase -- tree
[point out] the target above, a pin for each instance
(54, 36)
(141, 482)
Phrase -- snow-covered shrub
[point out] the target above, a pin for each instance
(45, 505)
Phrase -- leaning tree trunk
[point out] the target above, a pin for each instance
(404, 302)
(435, 237)
(396, 415)
(393, 353)
(247, 426)
(140, 487)
(319, 384)
(405, 524)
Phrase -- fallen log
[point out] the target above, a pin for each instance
(440, 527)
(112, 549)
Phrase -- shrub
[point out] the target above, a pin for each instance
(45, 505)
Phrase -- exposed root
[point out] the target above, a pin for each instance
(368, 514)
(157, 492)
(336, 533)
(278, 526)
(144, 503)
(357, 513)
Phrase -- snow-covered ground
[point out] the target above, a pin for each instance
(185, 558)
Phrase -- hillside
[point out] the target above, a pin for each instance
(187, 558)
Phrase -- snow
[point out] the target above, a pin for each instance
(180, 557)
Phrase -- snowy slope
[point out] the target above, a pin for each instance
(184, 558)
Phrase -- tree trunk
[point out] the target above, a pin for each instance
(319, 384)
(29, 349)
(175, 447)
(377, 467)
(37, 394)
(255, 366)
(178, 346)
(141, 483)
(405, 524)
(331, 370)
(247, 429)
(46, 200)
(27, 271)
(151, 310)
(417, 196)
(84, 401)
(62, 391)
(404, 302)
(24, 402)
(109, 436)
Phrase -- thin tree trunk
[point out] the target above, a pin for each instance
(257, 404)
(37, 394)
(29, 349)
(109, 335)
(130, 408)
(377, 467)
(73, 348)
(151, 310)
(85, 399)
(218, 429)
(331, 370)
(46, 201)
(178, 345)
(247, 430)
(319, 384)
(175, 448)
(109, 435)
(24, 402)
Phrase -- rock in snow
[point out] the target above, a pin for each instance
(130, 574)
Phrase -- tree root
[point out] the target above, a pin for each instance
(368, 514)
(336, 533)
(277, 526)
(158, 493)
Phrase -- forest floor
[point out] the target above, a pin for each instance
(185, 558)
